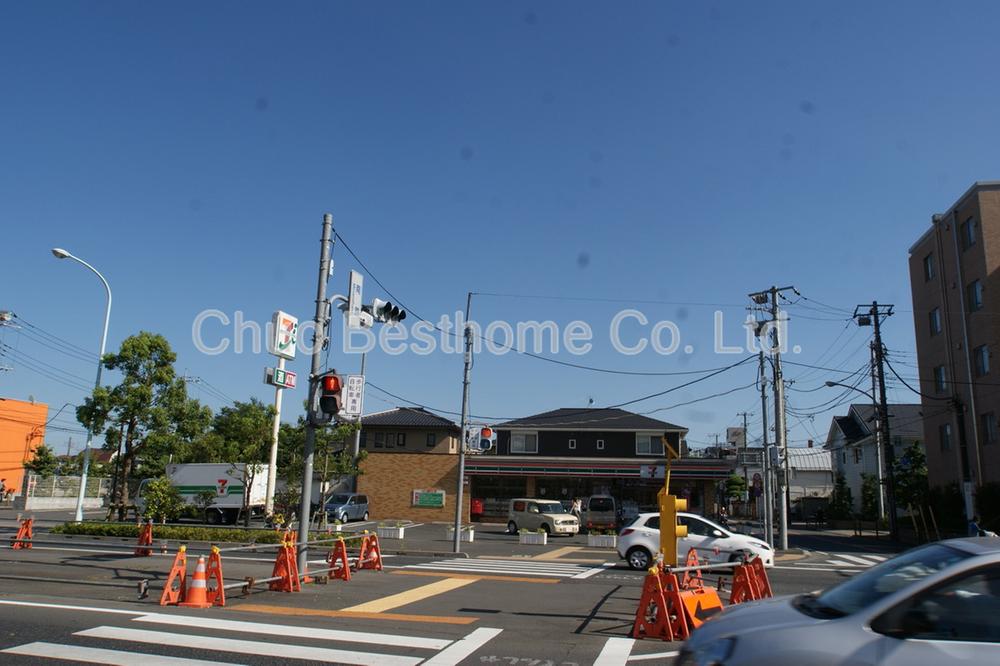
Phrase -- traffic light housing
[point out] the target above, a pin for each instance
(485, 438)
(384, 311)
(327, 397)
(670, 529)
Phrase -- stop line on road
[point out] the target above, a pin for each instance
(546, 568)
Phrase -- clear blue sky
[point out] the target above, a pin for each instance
(673, 152)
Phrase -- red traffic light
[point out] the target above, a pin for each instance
(331, 384)
(486, 433)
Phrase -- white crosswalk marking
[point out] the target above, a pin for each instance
(853, 558)
(281, 651)
(546, 568)
(280, 642)
(101, 656)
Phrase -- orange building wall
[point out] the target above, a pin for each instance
(22, 428)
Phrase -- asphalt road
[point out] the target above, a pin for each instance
(561, 604)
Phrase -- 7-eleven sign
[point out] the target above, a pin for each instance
(220, 487)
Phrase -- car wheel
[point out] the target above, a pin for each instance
(638, 558)
(366, 516)
(343, 519)
(512, 527)
(213, 517)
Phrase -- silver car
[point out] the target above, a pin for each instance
(347, 506)
(935, 604)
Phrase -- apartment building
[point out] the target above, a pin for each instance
(955, 284)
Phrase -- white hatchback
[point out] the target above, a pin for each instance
(638, 542)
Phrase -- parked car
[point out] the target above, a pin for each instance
(638, 542)
(935, 604)
(347, 506)
(599, 512)
(537, 514)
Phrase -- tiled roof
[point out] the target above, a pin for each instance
(407, 417)
(589, 418)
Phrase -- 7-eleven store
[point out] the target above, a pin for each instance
(633, 482)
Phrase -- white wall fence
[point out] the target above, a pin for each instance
(60, 492)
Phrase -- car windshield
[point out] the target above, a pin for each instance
(551, 507)
(602, 504)
(339, 499)
(880, 581)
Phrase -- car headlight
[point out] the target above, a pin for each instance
(712, 653)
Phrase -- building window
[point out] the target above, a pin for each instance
(935, 321)
(968, 233)
(432, 439)
(401, 440)
(600, 446)
(379, 440)
(940, 380)
(974, 295)
(944, 433)
(982, 357)
(523, 443)
(989, 427)
(843, 457)
(572, 443)
(857, 455)
(648, 445)
(929, 267)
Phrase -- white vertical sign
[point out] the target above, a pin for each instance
(354, 393)
(284, 333)
(354, 300)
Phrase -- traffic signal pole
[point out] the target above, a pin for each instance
(467, 333)
(319, 341)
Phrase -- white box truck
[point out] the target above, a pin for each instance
(224, 479)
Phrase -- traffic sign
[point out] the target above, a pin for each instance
(354, 395)
(280, 378)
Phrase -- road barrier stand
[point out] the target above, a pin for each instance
(145, 539)
(23, 538)
(750, 582)
(661, 612)
(172, 594)
(337, 561)
(370, 556)
(286, 570)
(692, 577)
(216, 595)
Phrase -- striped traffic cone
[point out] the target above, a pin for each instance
(197, 588)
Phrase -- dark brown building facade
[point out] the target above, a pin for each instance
(955, 283)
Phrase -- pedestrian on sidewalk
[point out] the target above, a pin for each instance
(577, 508)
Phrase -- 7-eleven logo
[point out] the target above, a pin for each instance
(220, 486)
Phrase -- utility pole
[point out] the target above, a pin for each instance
(768, 481)
(467, 332)
(319, 341)
(879, 442)
(356, 448)
(770, 296)
(746, 481)
(877, 313)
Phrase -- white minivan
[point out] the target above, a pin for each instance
(640, 541)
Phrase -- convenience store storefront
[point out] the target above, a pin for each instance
(633, 482)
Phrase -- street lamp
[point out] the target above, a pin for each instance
(878, 444)
(60, 253)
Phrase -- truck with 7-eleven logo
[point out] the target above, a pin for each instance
(225, 480)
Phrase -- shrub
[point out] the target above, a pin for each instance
(176, 533)
(163, 500)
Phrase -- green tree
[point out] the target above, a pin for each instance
(735, 486)
(44, 463)
(869, 496)
(910, 476)
(332, 461)
(841, 502)
(148, 414)
(163, 500)
(244, 432)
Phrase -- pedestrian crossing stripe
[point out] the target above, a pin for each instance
(525, 568)
(445, 651)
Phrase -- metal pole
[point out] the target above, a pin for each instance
(890, 457)
(768, 481)
(97, 384)
(464, 425)
(779, 423)
(319, 342)
(272, 468)
(356, 448)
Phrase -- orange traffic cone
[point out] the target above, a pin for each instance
(197, 589)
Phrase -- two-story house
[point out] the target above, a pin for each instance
(576, 452)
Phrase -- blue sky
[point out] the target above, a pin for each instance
(682, 153)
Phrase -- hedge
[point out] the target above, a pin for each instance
(175, 533)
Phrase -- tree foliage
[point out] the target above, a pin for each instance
(243, 432)
(910, 477)
(841, 501)
(163, 501)
(869, 496)
(43, 463)
(736, 485)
